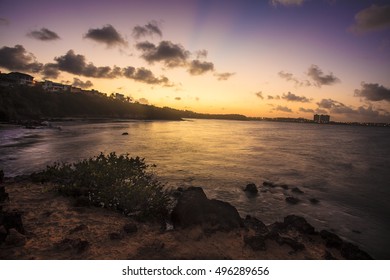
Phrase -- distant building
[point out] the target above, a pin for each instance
(120, 96)
(55, 87)
(20, 78)
(75, 90)
(321, 118)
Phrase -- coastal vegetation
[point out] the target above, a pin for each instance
(117, 182)
(21, 103)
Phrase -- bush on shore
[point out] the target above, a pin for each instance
(118, 182)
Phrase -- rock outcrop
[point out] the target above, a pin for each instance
(194, 208)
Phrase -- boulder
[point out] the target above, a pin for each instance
(296, 190)
(328, 256)
(256, 243)
(76, 244)
(314, 200)
(258, 226)
(130, 228)
(269, 184)
(78, 228)
(331, 240)
(15, 238)
(294, 244)
(293, 222)
(352, 252)
(292, 200)
(115, 236)
(251, 188)
(12, 219)
(194, 208)
(3, 195)
(3, 234)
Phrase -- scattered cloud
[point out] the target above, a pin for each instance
(149, 29)
(79, 83)
(201, 54)
(373, 92)
(270, 97)
(287, 2)
(146, 76)
(50, 71)
(367, 113)
(170, 54)
(295, 98)
(178, 98)
(319, 78)
(290, 77)
(259, 95)
(18, 59)
(329, 103)
(4, 22)
(197, 67)
(106, 35)
(76, 64)
(371, 19)
(282, 109)
(223, 76)
(304, 110)
(44, 35)
(321, 111)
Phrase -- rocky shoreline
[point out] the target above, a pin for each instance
(37, 223)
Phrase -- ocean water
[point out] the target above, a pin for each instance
(347, 168)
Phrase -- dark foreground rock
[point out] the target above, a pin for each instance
(194, 208)
(251, 188)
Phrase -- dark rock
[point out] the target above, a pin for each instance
(3, 195)
(3, 234)
(296, 190)
(115, 236)
(130, 228)
(298, 223)
(257, 242)
(284, 186)
(77, 244)
(350, 251)
(328, 256)
(314, 200)
(15, 238)
(125, 133)
(269, 184)
(12, 220)
(251, 188)
(82, 201)
(258, 226)
(356, 231)
(153, 250)
(292, 200)
(1, 176)
(295, 245)
(194, 208)
(78, 228)
(331, 240)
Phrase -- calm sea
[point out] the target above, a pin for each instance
(346, 168)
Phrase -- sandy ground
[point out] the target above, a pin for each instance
(56, 229)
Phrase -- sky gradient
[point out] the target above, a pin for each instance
(278, 58)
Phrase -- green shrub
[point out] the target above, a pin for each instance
(117, 182)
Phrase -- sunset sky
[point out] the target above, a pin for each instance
(277, 58)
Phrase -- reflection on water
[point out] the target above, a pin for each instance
(344, 167)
